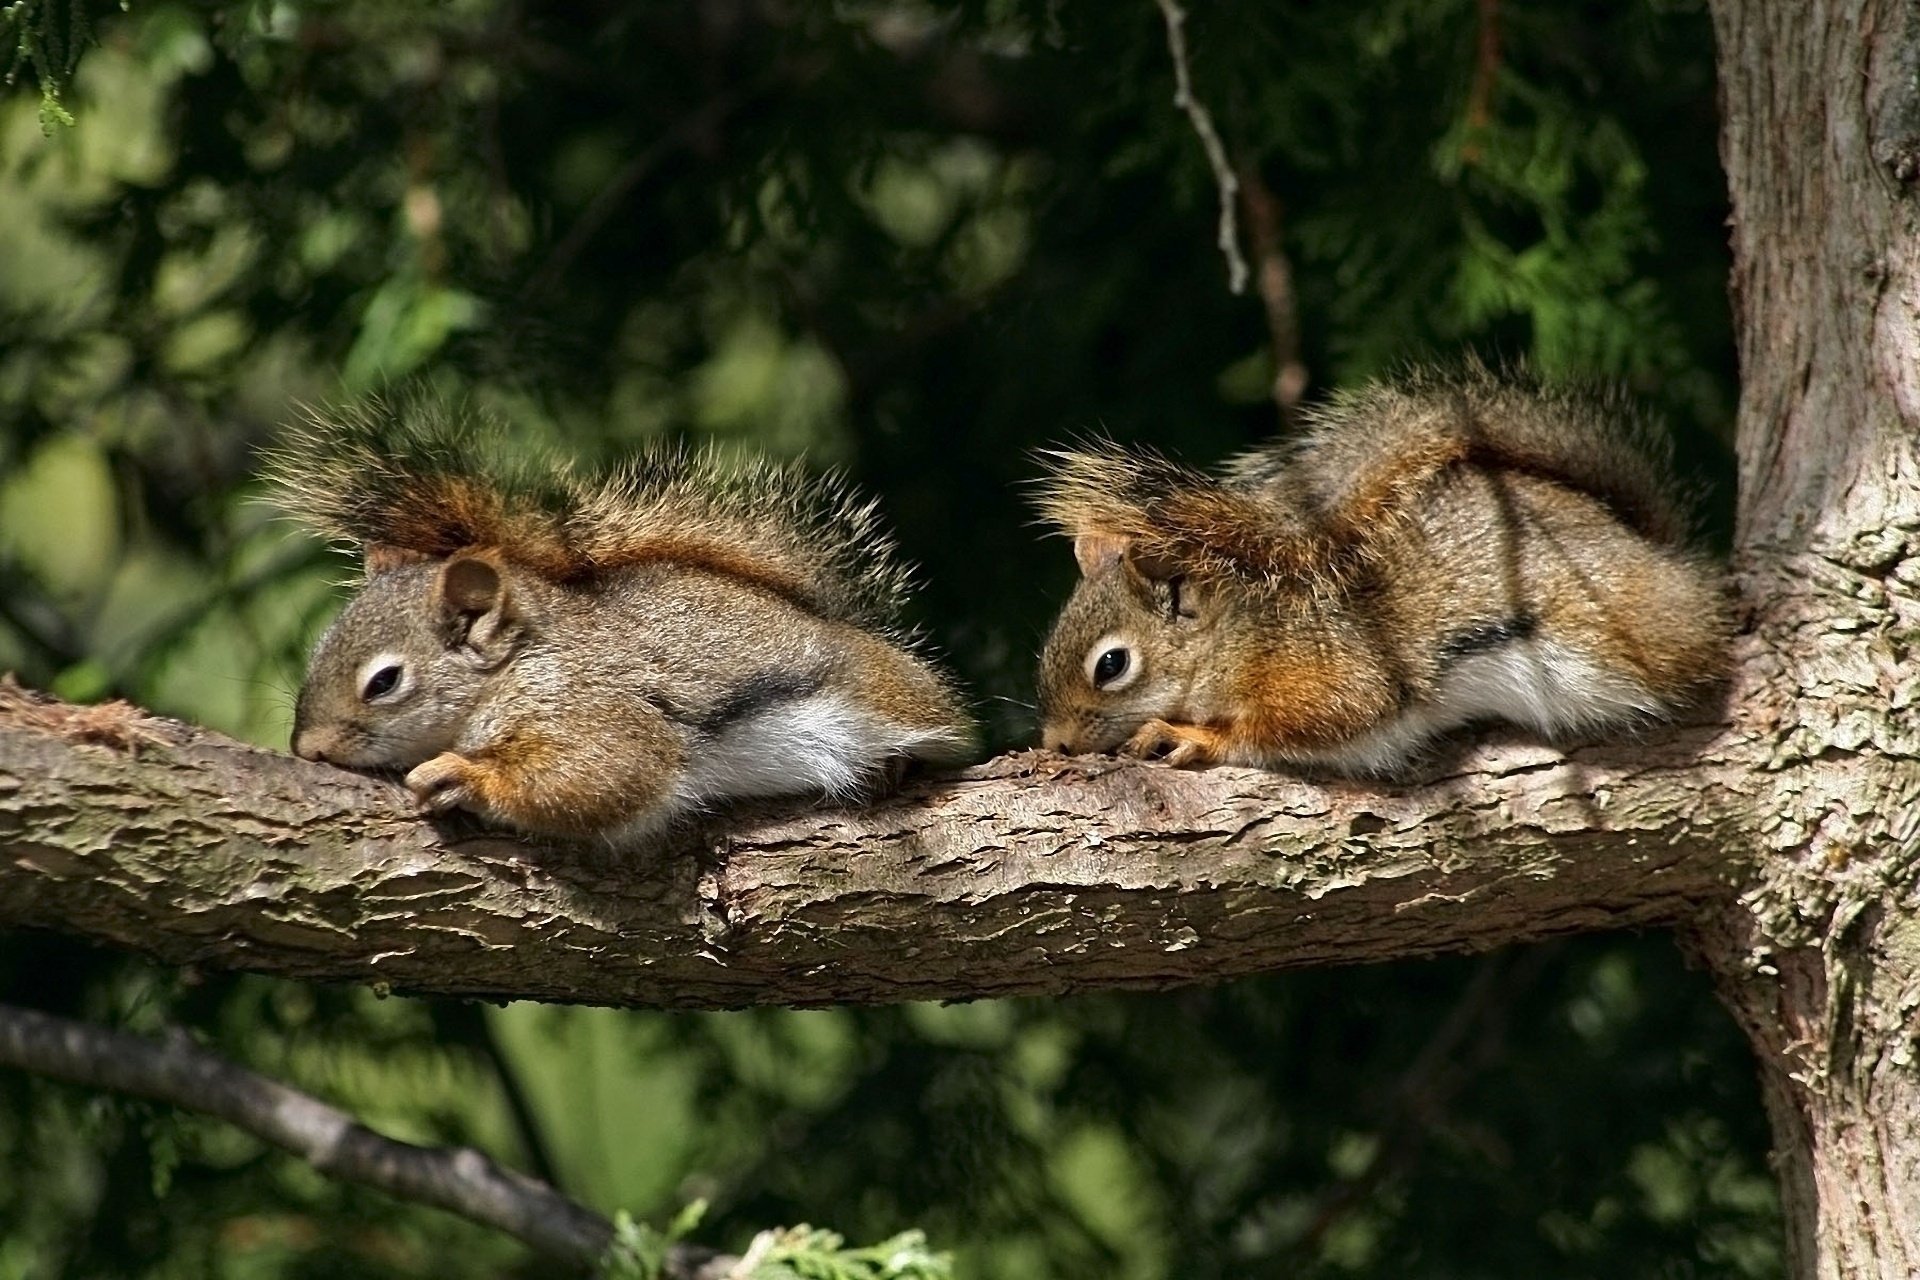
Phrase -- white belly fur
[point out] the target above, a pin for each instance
(1547, 687)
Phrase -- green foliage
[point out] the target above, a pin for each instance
(46, 37)
(809, 1253)
(638, 1251)
(915, 241)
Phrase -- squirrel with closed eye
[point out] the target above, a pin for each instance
(1450, 548)
(596, 657)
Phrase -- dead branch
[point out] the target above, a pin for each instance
(1273, 280)
(182, 1074)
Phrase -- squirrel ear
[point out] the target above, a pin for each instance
(1161, 583)
(476, 608)
(1096, 552)
(470, 585)
(1152, 567)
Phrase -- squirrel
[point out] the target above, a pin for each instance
(594, 657)
(1447, 548)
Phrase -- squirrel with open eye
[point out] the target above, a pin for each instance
(1447, 549)
(596, 657)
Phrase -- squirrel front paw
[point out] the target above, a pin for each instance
(443, 783)
(1185, 746)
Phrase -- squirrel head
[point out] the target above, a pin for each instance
(1134, 642)
(1174, 565)
(397, 676)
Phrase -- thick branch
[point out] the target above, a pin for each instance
(1026, 875)
(178, 1072)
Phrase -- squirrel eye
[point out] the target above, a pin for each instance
(384, 680)
(1111, 664)
(1110, 667)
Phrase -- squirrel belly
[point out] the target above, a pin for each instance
(1442, 552)
(1556, 691)
(597, 659)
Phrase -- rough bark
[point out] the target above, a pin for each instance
(1028, 875)
(1820, 956)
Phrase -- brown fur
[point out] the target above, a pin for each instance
(1370, 581)
(576, 657)
(533, 781)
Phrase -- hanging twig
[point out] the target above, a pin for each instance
(1486, 66)
(458, 1179)
(1223, 175)
(1273, 278)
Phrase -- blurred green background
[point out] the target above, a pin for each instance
(915, 241)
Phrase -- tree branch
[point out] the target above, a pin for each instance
(1026, 875)
(180, 1073)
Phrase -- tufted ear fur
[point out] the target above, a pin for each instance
(1098, 552)
(474, 602)
(380, 557)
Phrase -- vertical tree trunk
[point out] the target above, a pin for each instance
(1820, 959)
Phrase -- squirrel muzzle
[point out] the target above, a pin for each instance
(316, 742)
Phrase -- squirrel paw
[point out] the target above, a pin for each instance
(442, 783)
(1185, 746)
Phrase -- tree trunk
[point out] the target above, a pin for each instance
(1820, 956)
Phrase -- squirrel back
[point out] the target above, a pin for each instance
(1368, 453)
(579, 656)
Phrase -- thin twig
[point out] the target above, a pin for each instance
(607, 201)
(1223, 175)
(1445, 1065)
(181, 1073)
(1273, 278)
(1486, 66)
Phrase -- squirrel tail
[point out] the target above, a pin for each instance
(1369, 453)
(1170, 514)
(411, 478)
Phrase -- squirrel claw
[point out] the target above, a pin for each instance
(1184, 746)
(440, 784)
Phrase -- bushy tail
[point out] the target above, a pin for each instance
(412, 478)
(1369, 453)
(1171, 514)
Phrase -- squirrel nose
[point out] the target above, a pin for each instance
(311, 744)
